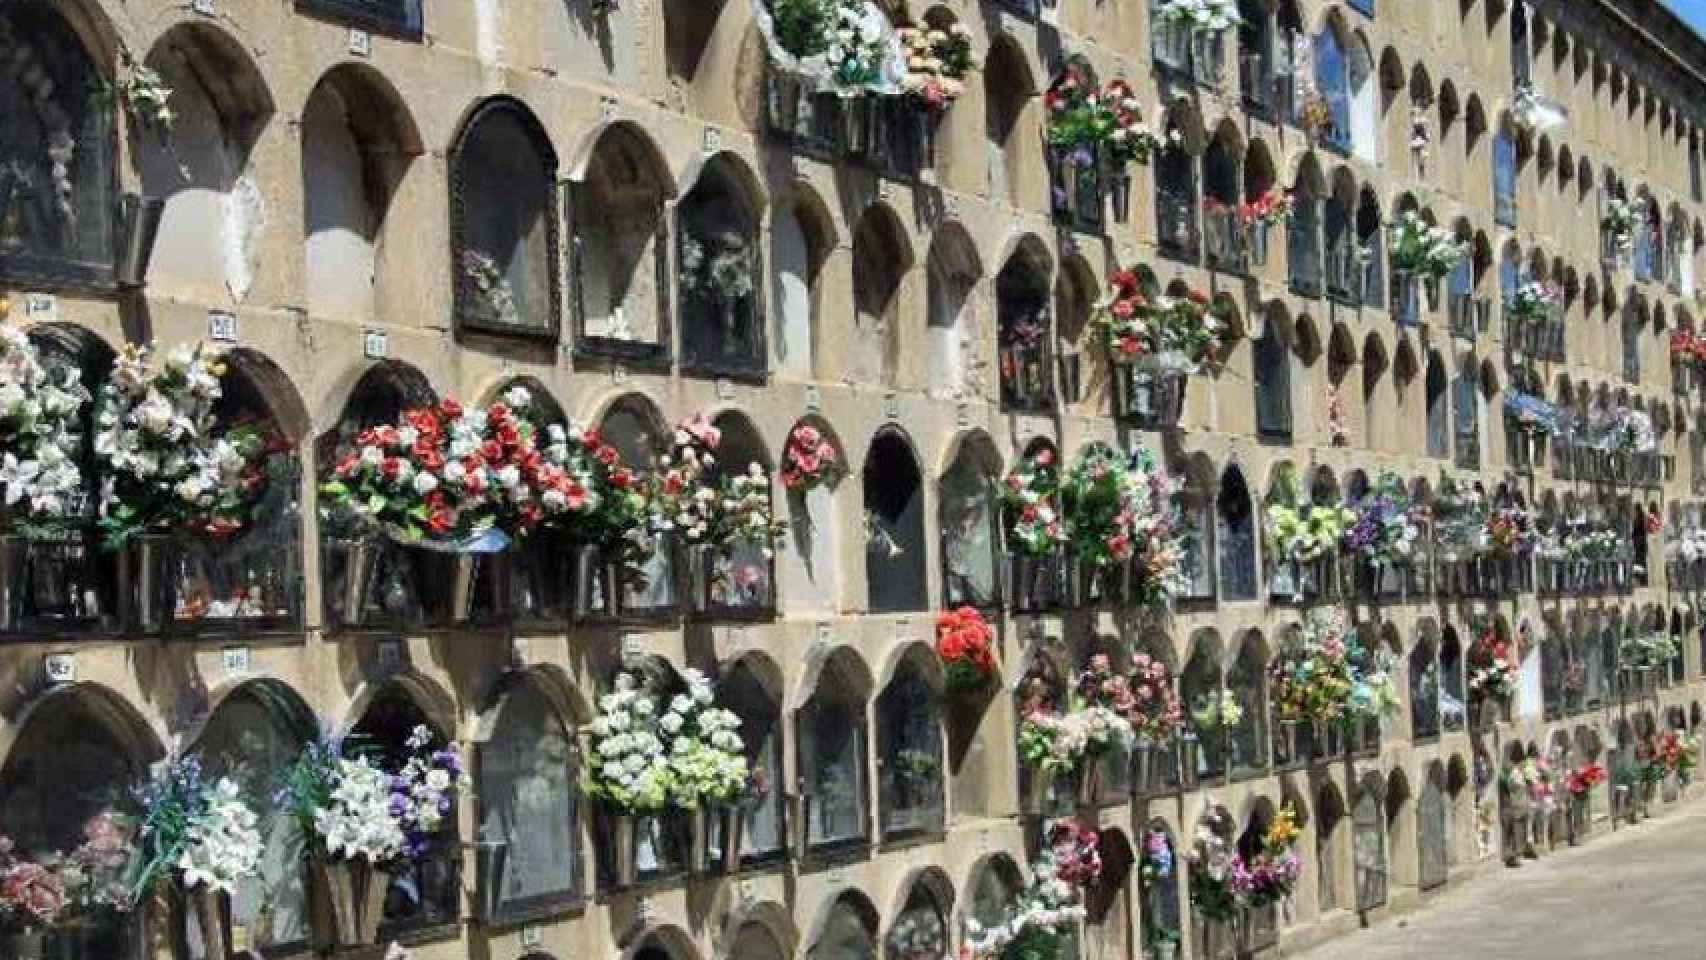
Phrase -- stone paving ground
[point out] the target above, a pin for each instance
(1637, 893)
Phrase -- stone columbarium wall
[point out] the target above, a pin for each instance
(638, 213)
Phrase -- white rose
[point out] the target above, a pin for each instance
(425, 483)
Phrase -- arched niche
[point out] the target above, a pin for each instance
(1024, 339)
(954, 307)
(751, 687)
(1368, 842)
(529, 833)
(77, 754)
(503, 233)
(1076, 296)
(719, 256)
(258, 730)
(882, 257)
(830, 735)
(991, 889)
(920, 928)
(741, 576)
(635, 427)
(809, 569)
(1332, 849)
(1235, 536)
(911, 759)
(1009, 105)
(1109, 912)
(801, 239)
(1158, 879)
(1270, 375)
(57, 215)
(209, 235)
(357, 142)
(1424, 670)
(968, 517)
(895, 568)
(1246, 681)
(619, 269)
(1200, 684)
(425, 891)
(844, 929)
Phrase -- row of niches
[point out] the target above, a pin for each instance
(876, 759)
(432, 515)
(653, 280)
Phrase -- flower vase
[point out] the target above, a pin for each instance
(1205, 53)
(1406, 297)
(1143, 766)
(855, 126)
(924, 142)
(699, 840)
(1089, 782)
(695, 574)
(1022, 571)
(625, 826)
(491, 860)
(1256, 236)
(734, 838)
(1289, 729)
(145, 581)
(1189, 750)
(782, 100)
(213, 916)
(1071, 377)
(352, 894)
(1166, 950)
(359, 557)
(14, 591)
(1318, 734)
(594, 580)
(1078, 578)
(1120, 193)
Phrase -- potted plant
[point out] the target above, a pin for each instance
(1035, 530)
(361, 823)
(203, 838)
(41, 475)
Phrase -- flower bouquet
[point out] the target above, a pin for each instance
(1460, 522)
(1030, 501)
(1213, 861)
(1270, 874)
(1618, 226)
(1421, 250)
(966, 644)
(202, 835)
(1492, 669)
(61, 890)
(708, 767)
(1534, 301)
(1258, 217)
(629, 769)
(809, 460)
(1310, 680)
(1056, 742)
(1304, 538)
(1386, 528)
(1647, 652)
(1214, 16)
(937, 62)
(594, 504)
(1216, 710)
(1095, 499)
(363, 823)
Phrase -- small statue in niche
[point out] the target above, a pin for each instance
(493, 300)
(717, 267)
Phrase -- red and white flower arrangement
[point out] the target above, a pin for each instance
(809, 460)
(966, 644)
(1030, 497)
(936, 63)
(1492, 670)
(1155, 713)
(1273, 207)
(706, 505)
(1176, 333)
(596, 499)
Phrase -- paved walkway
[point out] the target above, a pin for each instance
(1637, 893)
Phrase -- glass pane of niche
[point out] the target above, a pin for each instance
(505, 234)
(397, 18)
(528, 803)
(832, 755)
(910, 756)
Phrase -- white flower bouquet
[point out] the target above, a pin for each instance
(1047, 909)
(203, 831)
(1424, 250)
(629, 765)
(40, 413)
(707, 759)
(1620, 222)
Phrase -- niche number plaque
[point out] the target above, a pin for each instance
(40, 307)
(60, 668)
(374, 344)
(235, 660)
(221, 326)
(360, 43)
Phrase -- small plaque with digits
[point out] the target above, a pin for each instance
(619, 374)
(60, 668)
(633, 645)
(221, 326)
(41, 307)
(824, 635)
(891, 406)
(390, 655)
(530, 937)
(203, 7)
(713, 140)
(814, 399)
(725, 389)
(235, 660)
(607, 107)
(375, 344)
(360, 43)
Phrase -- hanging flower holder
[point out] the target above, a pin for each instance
(1089, 782)
(1320, 736)
(1256, 242)
(1206, 50)
(699, 841)
(351, 894)
(491, 862)
(1154, 398)
(1190, 749)
(144, 582)
(784, 92)
(1406, 296)
(212, 909)
(592, 583)
(624, 828)
(1119, 192)
(695, 569)
(734, 838)
(856, 119)
(1027, 576)
(1143, 766)
(1288, 732)
(1077, 579)
(1071, 377)
(800, 824)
